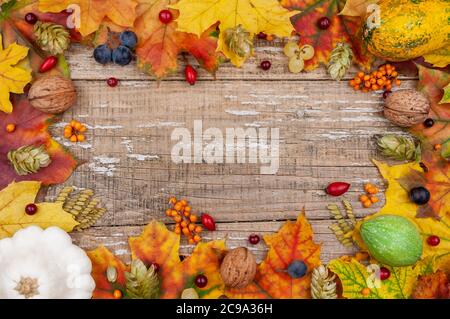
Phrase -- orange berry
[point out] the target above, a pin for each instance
(67, 134)
(186, 231)
(191, 227)
(380, 82)
(187, 209)
(388, 66)
(437, 147)
(356, 87)
(178, 206)
(168, 212)
(269, 37)
(367, 84)
(374, 199)
(193, 218)
(186, 214)
(375, 87)
(10, 128)
(117, 294)
(198, 229)
(398, 82)
(363, 198)
(81, 138)
(184, 224)
(367, 203)
(82, 129)
(197, 238)
(178, 219)
(388, 87)
(383, 72)
(360, 75)
(388, 71)
(372, 190)
(77, 126)
(73, 139)
(173, 213)
(366, 77)
(191, 241)
(367, 186)
(373, 81)
(352, 82)
(379, 74)
(183, 202)
(358, 81)
(177, 230)
(365, 292)
(394, 74)
(172, 200)
(73, 123)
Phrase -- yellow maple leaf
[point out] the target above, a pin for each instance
(13, 77)
(398, 203)
(93, 12)
(14, 199)
(254, 16)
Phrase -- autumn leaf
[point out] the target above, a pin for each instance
(13, 76)
(398, 203)
(292, 242)
(446, 97)
(356, 277)
(357, 8)
(432, 286)
(439, 58)
(32, 129)
(342, 29)
(159, 43)
(94, 12)
(14, 199)
(253, 15)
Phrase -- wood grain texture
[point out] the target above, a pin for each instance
(326, 133)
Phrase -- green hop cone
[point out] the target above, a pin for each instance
(142, 283)
(29, 159)
(399, 148)
(238, 40)
(340, 61)
(52, 38)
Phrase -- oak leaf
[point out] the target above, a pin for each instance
(253, 15)
(160, 43)
(32, 129)
(293, 241)
(342, 29)
(94, 12)
(14, 199)
(13, 76)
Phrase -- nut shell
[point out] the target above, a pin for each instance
(52, 94)
(238, 268)
(406, 108)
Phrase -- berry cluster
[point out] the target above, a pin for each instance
(122, 54)
(369, 198)
(382, 79)
(185, 220)
(75, 131)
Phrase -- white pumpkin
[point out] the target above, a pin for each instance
(44, 264)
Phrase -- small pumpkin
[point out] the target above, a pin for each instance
(408, 29)
(44, 264)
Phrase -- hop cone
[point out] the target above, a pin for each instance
(238, 41)
(53, 38)
(142, 283)
(323, 285)
(29, 159)
(340, 61)
(398, 147)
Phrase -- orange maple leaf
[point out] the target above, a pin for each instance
(294, 241)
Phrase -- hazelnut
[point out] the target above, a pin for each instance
(406, 108)
(238, 268)
(52, 94)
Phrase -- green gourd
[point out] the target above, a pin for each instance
(392, 240)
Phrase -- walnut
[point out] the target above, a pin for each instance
(52, 94)
(406, 108)
(238, 268)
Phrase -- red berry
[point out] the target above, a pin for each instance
(433, 240)
(262, 36)
(254, 239)
(324, 23)
(201, 281)
(265, 65)
(112, 82)
(208, 222)
(48, 64)
(156, 266)
(31, 18)
(337, 188)
(190, 74)
(31, 209)
(165, 16)
(384, 273)
(386, 94)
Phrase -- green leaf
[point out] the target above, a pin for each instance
(446, 97)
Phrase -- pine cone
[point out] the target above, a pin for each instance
(340, 61)
(323, 285)
(142, 283)
(29, 159)
(53, 38)
(399, 148)
(238, 40)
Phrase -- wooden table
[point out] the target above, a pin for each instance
(326, 134)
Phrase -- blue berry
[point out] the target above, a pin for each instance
(122, 55)
(297, 269)
(420, 195)
(102, 54)
(128, 39)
